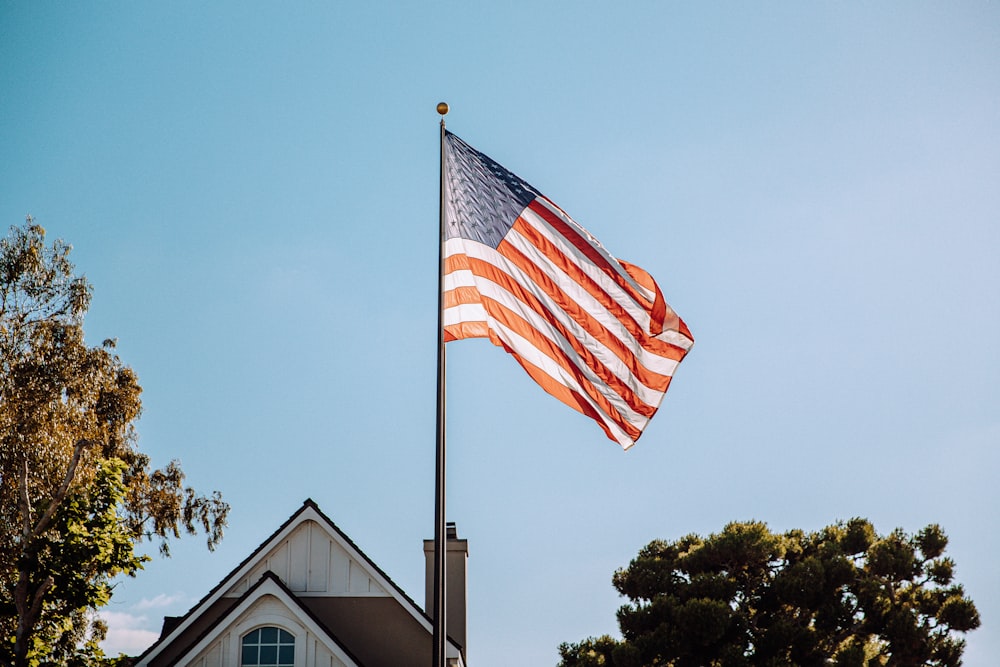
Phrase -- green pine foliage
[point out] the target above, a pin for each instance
(746, 596)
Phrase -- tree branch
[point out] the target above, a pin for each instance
(23, 501)
(36, 603)
(60, 494)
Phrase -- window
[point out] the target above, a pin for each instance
(268, 647)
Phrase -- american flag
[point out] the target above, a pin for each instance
(592, 330)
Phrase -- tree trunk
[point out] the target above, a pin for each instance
(27, 613)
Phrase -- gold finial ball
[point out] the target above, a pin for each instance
(442, 108)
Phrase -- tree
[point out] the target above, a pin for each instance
(843, 596)
(76, 494)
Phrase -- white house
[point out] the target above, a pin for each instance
(309, 597)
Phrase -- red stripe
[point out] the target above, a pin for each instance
(684, 331)
(660, 311)
(461, 295)
(461, 330)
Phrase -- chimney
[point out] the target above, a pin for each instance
(456, 559)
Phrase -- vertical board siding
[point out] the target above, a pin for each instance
(211, 656)
(319, 560)
(298, 559)
(340, 570)
(309, 560)
(360, 583)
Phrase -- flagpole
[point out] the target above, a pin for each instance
(440, 545)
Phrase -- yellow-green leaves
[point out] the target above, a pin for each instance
(76, 494)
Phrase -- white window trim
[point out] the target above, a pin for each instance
(255, 621)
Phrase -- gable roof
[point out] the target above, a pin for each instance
(216, 599)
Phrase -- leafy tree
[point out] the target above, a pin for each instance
(843, 596)
(76, 495)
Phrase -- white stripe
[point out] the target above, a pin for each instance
(466, 312)
(459, 277)
(675, 338)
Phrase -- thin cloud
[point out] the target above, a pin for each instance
(127, 633)
(132, 631)
(158, 602)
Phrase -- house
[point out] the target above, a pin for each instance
(309, 597)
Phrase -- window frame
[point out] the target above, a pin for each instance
(284, 639)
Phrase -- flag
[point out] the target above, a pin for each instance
(592, 330)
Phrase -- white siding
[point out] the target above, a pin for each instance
(310, 561)
(319, 656)
(340, 569)
(213, 656)
(319, 562)
(298, 558)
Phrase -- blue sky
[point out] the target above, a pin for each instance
(252, 190)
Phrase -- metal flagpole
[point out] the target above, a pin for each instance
(440, 537)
